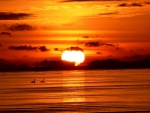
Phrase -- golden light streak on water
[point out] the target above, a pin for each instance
(74, 88)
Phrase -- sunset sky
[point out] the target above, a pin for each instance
(43, 29)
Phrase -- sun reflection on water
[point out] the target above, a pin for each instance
(73, 88)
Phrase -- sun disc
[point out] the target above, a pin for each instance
(73, 56)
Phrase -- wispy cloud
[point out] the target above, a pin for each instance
(29, 48)
(98, 53)
(85, 36)
(6, 34)
(134, 4)
(23, 47)
(58, 49)
(108, 13)
(21, 27)
(98, 43)
(148, 3)
(43, 48)
(13, 16)
(74, 48)
(92, 44)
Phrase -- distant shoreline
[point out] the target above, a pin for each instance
(108, 64)
(70, 69)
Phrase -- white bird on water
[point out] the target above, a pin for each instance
(33, 81)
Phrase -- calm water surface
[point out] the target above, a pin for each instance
(110, 91)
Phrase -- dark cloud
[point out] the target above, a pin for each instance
(74, 48)
(57, 49)
(90, 0)
(130, 5)
(123, 5)
(23, 47)
(92, 44)
(85, 36)
(98, 53)
(136, 5)
(28, 48)
(147, 3)
(117, 48)
(0, 44)
(109, 13)
(97, 44)
(13, 16)
(6, 34)
(43, 48)
(93, 36)
(21, 27)
(112, 45)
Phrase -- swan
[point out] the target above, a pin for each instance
(42, 81)
(33, 81)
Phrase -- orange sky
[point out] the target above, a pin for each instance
(119, 27)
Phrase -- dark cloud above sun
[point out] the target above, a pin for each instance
(108, 13)
(98, 44)
(58, 49)
(76, 48)
(92, 44)
(21, 27)
(29, 48)
(134, 4)
(15, 27)
(98, 53)
(13, 16)
(147, 3)
(5, 34)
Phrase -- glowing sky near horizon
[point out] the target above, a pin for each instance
(102, 28)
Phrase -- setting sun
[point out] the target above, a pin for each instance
(73, 56)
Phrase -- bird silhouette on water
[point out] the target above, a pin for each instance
(33, 81)
(42, 81)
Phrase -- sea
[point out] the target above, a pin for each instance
(76, 91)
